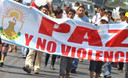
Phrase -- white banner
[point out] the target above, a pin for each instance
(30, 28)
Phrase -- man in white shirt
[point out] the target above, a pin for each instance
(66, 7)
(98, 16)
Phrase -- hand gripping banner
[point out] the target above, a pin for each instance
(32, 29)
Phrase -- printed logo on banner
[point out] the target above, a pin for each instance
(12, 22)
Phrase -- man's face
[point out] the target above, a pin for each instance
(44, 10)
(71, 15)
(126, 19)
(122, 17)
(102, 12)
(65, 8)
(109, 16)
(59, 15)
(81, 12)
(98, 10)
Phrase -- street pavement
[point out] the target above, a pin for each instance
(14, 64)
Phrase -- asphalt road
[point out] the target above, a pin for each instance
(14, 64)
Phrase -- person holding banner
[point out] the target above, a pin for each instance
(30, 57)
(126, 66)
(66, 62)
(96, 66)
(107, 65)
(80, 16)
(10, 46)
(58, 14)
(122, 21)
(98, 16)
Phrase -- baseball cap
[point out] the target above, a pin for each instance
(126, 14)
(104, 18)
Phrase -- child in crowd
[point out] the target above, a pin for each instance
(66, 62)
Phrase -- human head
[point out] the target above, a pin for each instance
(81, 11)
(122, 16)
(81, 4)
(86, 14)
(66, 7)
(126, 16)
(102, 11)
(71, 13)
(44, 9)
(77, 4)
(98, 10)
(58, 13)
(109, 15)
(104, 20)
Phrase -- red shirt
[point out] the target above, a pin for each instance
(33, 4)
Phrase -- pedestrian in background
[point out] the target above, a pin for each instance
(3, 52)
(98, 16)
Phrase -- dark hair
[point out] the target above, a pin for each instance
(81, 7)
(102, 8)
(111, 15)
(77, 3)
(86, 13)
(58, 11)
(82, 4)
(67, 5)
(45, 6)
(109, 12)
(20, 1)
(71, 10)
(122, 13)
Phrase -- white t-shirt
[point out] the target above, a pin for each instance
(122, 22)
(96, 18)
(64, 15)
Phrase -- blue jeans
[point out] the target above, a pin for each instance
(107, 68)
(75, 63)
(25, 51)
(96, 66)
(65, 65)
